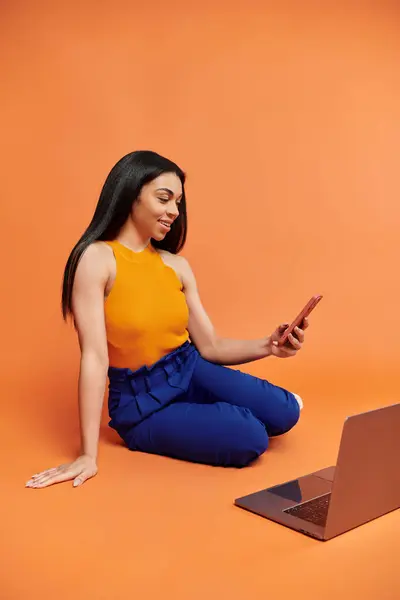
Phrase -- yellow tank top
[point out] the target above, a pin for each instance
(146, 314)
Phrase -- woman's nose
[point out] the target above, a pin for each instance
(173, 210)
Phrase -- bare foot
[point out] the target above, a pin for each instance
(299, 400)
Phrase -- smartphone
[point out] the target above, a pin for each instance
(311, 304)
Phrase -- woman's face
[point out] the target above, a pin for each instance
(157, 206)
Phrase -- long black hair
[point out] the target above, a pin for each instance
(120, 190)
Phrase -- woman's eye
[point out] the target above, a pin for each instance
(165, 200)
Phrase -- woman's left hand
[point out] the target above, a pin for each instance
(293, 344)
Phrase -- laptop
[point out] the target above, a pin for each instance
(364, 484)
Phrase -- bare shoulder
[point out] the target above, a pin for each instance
(96, 263)
(180, 265)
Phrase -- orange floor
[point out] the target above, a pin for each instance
(150, 527)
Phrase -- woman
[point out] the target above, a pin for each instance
(140, 321)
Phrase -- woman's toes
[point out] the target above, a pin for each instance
(299, 400)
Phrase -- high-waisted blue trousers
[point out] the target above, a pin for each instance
(188, 408)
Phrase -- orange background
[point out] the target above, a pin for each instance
(286, 117)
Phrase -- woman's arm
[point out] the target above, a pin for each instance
(91, 388)
(88, 309)
(222, 350)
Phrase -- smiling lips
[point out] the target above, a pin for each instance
(166, 224)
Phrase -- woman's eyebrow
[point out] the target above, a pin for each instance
(170, 192)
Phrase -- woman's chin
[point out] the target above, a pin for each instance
(159, 235)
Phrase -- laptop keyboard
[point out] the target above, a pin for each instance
(313, 511)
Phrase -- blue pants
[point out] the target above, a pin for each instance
(190, 409)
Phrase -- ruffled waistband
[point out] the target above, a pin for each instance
(135, 395)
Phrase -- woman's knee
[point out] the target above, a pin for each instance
(248, 442)
(289, 417)
(219, 434)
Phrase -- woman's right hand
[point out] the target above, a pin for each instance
(80, 470)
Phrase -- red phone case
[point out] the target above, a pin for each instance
(311, 304)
